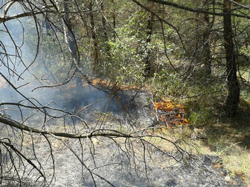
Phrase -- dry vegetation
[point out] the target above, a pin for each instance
(229, 139)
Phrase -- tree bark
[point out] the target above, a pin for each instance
(70, 39)
(114, 20)
(232, 81)
(105, 32)
(206, 40)
(147, 49)
(93, 35)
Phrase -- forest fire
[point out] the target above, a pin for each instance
(167, 112)
(170, 113)
(107, 85)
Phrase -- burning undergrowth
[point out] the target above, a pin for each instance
(116, 148)
(89, 101)
(118, 136)
(122, 101)
(170, 113)
(84, 101)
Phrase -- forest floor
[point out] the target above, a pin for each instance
(227, 138)
(231, 142)
(218, 154)
(125, 163)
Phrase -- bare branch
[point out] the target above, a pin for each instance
(198, 10)
(102, 132)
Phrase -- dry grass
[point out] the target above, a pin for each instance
(231, 143)
(237, 161)
(229, 139)
(239, 164)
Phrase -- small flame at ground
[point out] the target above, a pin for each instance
(167, 111)
(105, 84)
(170, 113)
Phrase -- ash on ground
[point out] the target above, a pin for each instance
(103, 163)
(143, 161)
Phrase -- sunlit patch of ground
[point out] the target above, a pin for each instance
(231, 143)
(153, 158)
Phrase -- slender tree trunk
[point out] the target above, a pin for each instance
(232, 81)
(147, 49)
(70, 39)
(114, 21)
(206, 40)
(93, 36)
(104, 24)
(105, 32)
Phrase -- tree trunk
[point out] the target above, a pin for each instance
(147, 49)
(232, 81)
(93, 35)
(105, 32)
(104, 24)
(114, 21)
(206, 40)
(70, 39)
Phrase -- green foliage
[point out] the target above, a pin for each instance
(124, 64)
(245, 50)
(124, 57)
(168, 84)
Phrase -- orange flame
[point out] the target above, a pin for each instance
(171, 114)
(105, 84)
